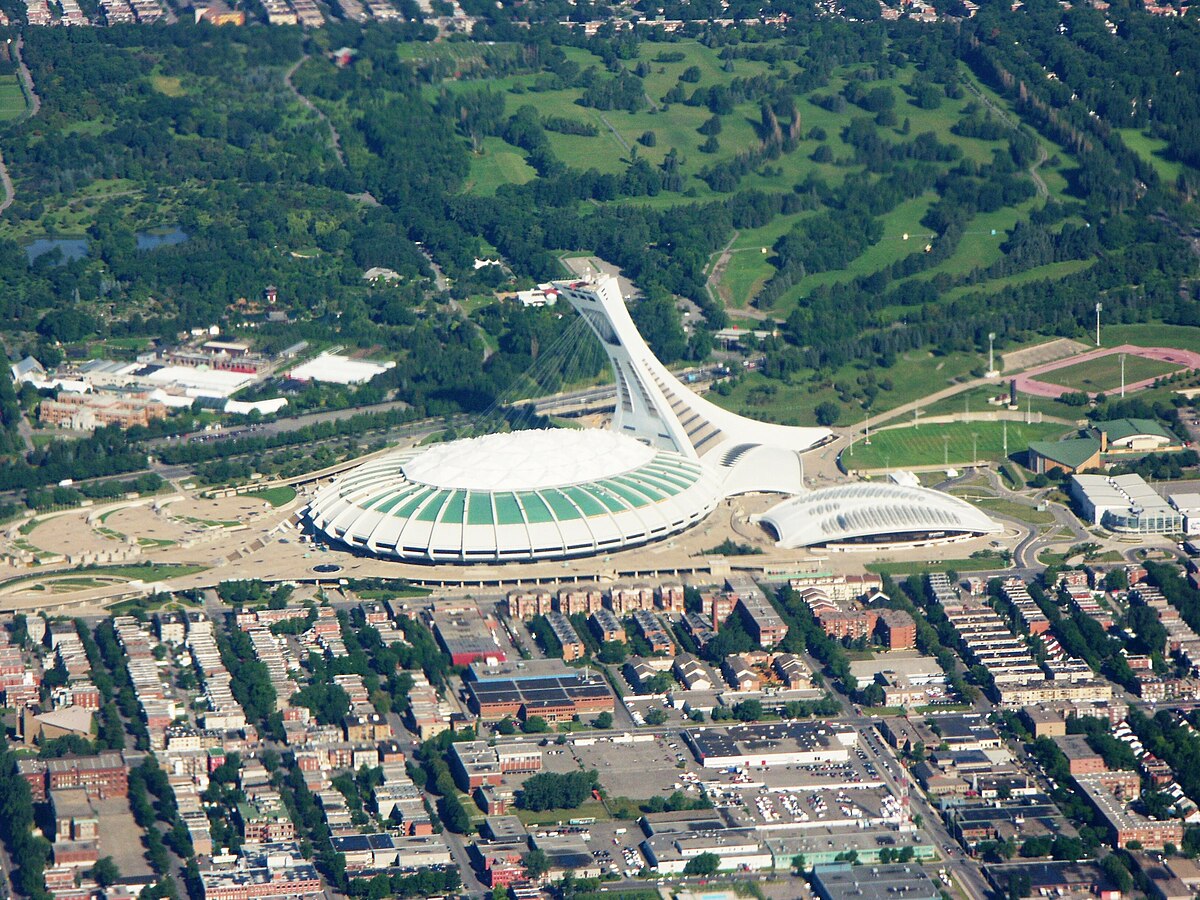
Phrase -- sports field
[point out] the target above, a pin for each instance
(1103, 374)
(950, 444)
(12, 99)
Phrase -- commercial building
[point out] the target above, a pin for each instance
(476, 764)
(842, 881)
(466, 634)
(773, 744)
(85, 412)
(1124, 503)
(544, 688)
(736, 849)
(1071, 456)
(105, 775)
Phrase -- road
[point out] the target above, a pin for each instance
(335, 139)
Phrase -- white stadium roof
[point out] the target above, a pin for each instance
(518, 496)
(874, 513)
(537, 459)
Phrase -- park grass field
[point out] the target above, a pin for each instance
(950, 444)
(496, 164)
(1152, 334)
(1104, 373)
(675, 125)
(1152, 150)
(12, 98)
(916, 375)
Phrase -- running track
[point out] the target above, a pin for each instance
(1028, 384)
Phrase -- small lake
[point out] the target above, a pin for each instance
(71, 248)
(74, 248)
(160, 237)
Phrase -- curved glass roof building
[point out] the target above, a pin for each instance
(516, 497)
(871, 514)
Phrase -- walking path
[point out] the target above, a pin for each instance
(335, 139)
(33, 105)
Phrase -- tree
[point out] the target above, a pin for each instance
(656, 716)
(604, 720)
(536, 863)
(703, 864)
(535, 725)
(799, 863)
(105, 872)
(613, 652)
(553, 790)
(748, 710)
(827, 413)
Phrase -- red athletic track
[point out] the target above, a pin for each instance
(1027, 384)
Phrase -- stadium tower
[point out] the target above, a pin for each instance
(655, 407)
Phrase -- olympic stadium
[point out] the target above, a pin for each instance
(667, 460)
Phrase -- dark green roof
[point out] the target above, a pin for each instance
(1119, 429)
(1073, 452)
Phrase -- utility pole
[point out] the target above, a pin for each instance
(1099, 306)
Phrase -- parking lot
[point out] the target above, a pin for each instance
(640, 770)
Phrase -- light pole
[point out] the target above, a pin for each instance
(1122, 374)
(991, 372)
(945, 450)
(1099, 306)
(974, 448)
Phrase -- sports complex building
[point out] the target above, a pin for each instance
(666, 462)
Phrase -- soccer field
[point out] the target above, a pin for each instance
(950, 444)
(1104, 373)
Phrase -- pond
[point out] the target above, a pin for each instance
(160, 237)
(71, 248)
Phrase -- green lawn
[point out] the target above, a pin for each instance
(916, 374)
(12, 98)
(982, 564)
(587, 809)
(950, 444)
(496, 164)
(1181, 337)
(148, 572)
(1152, 150)
(1104, 374)
(276, 496)
(1019, 511)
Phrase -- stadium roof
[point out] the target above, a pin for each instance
(848, 513)
(517, 496)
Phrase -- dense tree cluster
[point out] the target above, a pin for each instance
(554, 790)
